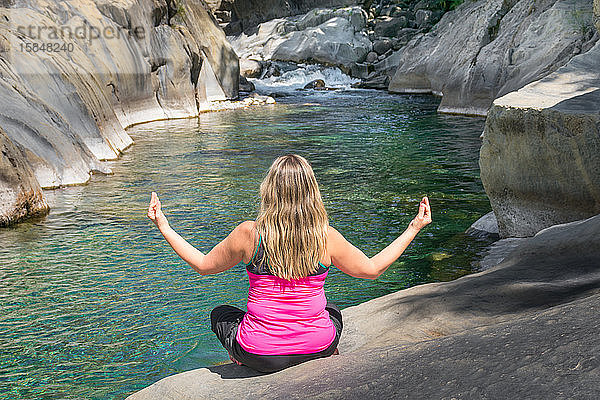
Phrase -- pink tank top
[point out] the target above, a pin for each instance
(284, 317)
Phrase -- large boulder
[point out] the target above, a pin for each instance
(390, 26)
(331, 37)
(334, 42)
(487, 48)
(540, 156)
(129, 61)
(20, 193)
(532, 318)
(250, 68)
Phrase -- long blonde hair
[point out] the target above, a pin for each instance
(292, 221)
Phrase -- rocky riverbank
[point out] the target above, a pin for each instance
(470, 55)
(75, 74)
(486, 49)
(362, 40)
(541, 143)
(525, 328)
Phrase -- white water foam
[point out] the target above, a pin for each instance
(298, 78)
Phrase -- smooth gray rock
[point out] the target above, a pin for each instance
(335, 42)
(541, 150)
(387, 66)
(131, 62)
(246, 85)
(355, 15)
(485, 226)
(382, 45)
(67, 108)
(423, 18)
(371, 57)
(374, 82)
(526, 328)
(338, 41)
(390, 26)
(487, 48)
(250, 68)
(20, 194)
(359, 70)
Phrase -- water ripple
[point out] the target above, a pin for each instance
(94, 304)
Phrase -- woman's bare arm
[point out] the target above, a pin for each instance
(354, 262)
(228, 253)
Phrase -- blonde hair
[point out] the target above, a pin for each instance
(292, 220)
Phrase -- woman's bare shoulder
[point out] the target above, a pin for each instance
(247, 234)
(333, 235)
(246, 230)
(247, 226)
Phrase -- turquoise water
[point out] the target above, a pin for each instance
(93, 304)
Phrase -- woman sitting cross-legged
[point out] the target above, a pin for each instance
(287, 252)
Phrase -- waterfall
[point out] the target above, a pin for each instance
(295, 76)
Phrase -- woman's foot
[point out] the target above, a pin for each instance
(234, 360)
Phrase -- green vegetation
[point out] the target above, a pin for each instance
(449, 4)
(444, 5)
(582, 21)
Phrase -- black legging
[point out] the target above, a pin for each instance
(224, 321)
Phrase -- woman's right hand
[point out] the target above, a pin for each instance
(423, 218)
(155, 212)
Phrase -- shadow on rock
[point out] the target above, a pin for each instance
(233, 371)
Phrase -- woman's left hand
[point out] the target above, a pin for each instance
(423, 218)
(155, 213)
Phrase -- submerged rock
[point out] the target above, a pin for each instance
(486, 226)
(540, 156)
(316, 84)
(487, 48)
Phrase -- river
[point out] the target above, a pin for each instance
(95, 305)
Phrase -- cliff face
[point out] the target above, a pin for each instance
(74, 74)
(487, 48)
(541, 145)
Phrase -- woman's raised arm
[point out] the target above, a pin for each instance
(354, 262)
(228, 253)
